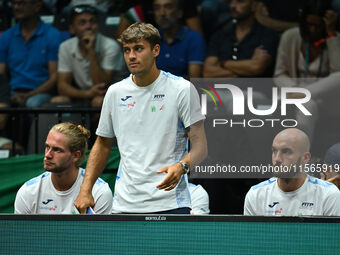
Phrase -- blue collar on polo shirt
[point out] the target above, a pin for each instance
(179, 36)
(39, 30)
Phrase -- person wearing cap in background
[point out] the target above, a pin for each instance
(332, 160)
(90, 59)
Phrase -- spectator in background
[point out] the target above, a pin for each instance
(182, 49)
(90, 60)
(199, 200)
(29, 50)
(292, 192)
(332, 160)
(244, 48)
(142, 11)
(54, 191)
(311, 52)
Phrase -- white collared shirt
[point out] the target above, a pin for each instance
(109, 53)
(314, 198)
(39, 196)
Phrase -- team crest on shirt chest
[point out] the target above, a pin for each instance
(274, 208)
(127, 102)
(48, 205)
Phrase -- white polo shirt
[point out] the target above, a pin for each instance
(70, 60)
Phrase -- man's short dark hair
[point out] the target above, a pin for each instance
(139, 31)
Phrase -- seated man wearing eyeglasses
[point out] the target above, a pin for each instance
(29, 53)
(88, 61)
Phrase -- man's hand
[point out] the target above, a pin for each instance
(172, 178)
(97, 90)
(89, 40)
(259, 53)
(83, 201)
(20, 99)
(261, 10)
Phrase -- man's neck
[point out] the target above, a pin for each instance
(170, 33)
(145, 79)
(243, 27)
(291, 184)
(64, 181)
(29, 24)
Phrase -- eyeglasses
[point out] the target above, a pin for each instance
(235, 48)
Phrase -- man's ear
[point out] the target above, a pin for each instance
(155, 50)
(306, 157)
(76, 156)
